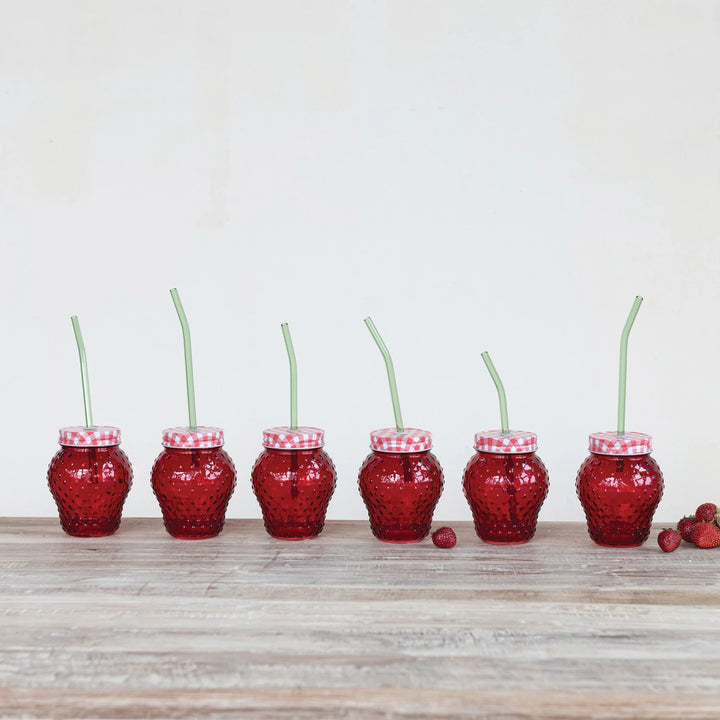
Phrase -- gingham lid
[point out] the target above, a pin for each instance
(100, 436)
(516, 441)
(200, 437)
(610, 443)
(301, 438)
(409, 440)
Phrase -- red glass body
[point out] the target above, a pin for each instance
(505, 492)
(294, 488)
(619, 494)
(90, 485)
(400, 491)
(193, 487)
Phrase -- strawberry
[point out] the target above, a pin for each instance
(685, 528)
(706, 512)
(706, 535)
(444, 537)
(669, 540)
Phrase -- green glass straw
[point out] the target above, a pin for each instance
(622, 391)
(83, 372)
(188, 358)
(390, 373)
(293, 375)
(501, 392)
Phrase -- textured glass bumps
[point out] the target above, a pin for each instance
(400, 491)
(505, 492)
(619, 494)
(193, 487)
(90, 485)
(294, 488)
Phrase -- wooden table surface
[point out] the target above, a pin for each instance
(140, 625)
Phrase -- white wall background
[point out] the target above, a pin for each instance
(474, 175)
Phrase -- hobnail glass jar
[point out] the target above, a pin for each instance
(400, 483)
(293, 480)
(193, 479)
(619, 486)
(90, 477)
(505, 484)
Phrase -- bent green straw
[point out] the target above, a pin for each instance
(188, 358)
(83, 371)
(501, 392)
(293, 375)
(390, 373)
(622, 390)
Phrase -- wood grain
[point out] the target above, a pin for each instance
(140, 625)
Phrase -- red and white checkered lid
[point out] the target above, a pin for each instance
(301, 438)
(409, 440)
(200, 437)
(610, 443)
(100, 436)
(515, 441)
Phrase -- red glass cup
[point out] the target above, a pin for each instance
(293, 480)
(90, 477)
(400, 483)
(193, 479)
(619, 486)
(505, 484)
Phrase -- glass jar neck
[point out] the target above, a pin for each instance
(505, 455)
(400, 454)
(634, 456)
(89, 447)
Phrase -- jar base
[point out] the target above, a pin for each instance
(399, 542)
(180, 535)
(400, 535)
(505, 542)
(293, 531)
(619, 544)
(85, 528)
(194, 531)
(619, 535)
(505, 533)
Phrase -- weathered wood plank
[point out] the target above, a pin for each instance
(344, 704)
(141, 625)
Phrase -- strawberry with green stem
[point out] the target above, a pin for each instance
(706, 535)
